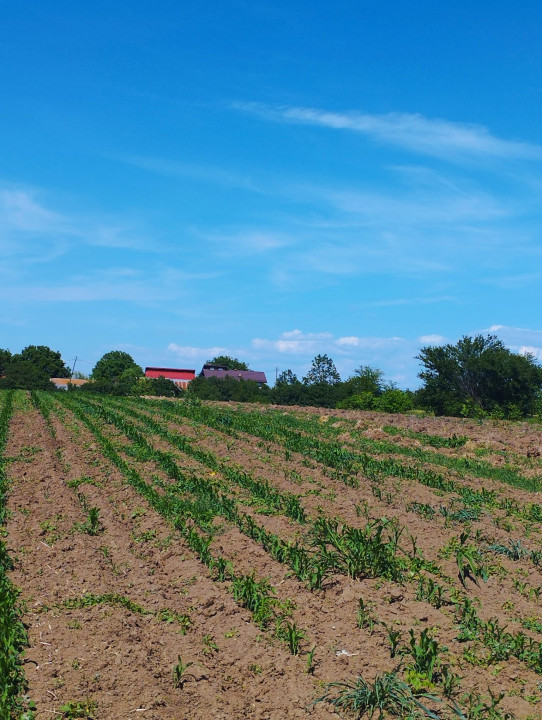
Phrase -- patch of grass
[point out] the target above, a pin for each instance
(78, 709)
(83, 480)
(388, 694)
(116, 600)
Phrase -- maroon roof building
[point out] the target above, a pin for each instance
(221, 371)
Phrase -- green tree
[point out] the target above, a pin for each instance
(368, 379)
(230, 362)
(162, 387)
(365, 380)
(24, 375)
(478, 375)
(288, 390)
(323, 371)
(287, 377)
(44, 359)
(115, 365)
(227, 389)
(5, 359)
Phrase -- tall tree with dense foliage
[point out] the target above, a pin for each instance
(287, 377)
(323, 371)
(230, 362)
(116, 365)
(44, 359)
(288, 389)
(5, 359)
(366, 379)
(24, 375)
(478, 374)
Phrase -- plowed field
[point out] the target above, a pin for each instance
(213, 561)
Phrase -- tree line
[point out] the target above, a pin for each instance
(478, 376)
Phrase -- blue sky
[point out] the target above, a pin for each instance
(270, 180)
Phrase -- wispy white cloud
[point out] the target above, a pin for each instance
(437, 137)
(204, 173)
(520, 340)
(194, 353)
(117, 284)
(433, 340)
(32, 230)
(247, 241)
(20, 211)
(294, 342)
(395, 356)
(409, 301)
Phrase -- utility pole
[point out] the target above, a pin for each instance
(73, 368)
(276, 374)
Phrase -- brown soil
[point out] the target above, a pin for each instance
(122, 661)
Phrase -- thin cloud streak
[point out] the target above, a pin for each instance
(24, 219)
(204, 173)
(436, 137)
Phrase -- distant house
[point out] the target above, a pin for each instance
(180, 376)
(62, 383)
(220, 371)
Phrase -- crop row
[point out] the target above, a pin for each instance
(362, 552)
(12, 633)
(281, 423)
(192, 518)
(284, 503)
(469, 560)
(372, 551)
(473, 500)
(345, 463)
(336, 547)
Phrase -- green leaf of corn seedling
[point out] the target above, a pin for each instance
(180, 673)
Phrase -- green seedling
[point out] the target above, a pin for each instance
(425, 653)
(292, 635)
(78, 709)
(450, 681)
(365, 617)
(209, 645)
(394, 636)
(180, 674)
(310, 666)
(388, 695)
(469, 560)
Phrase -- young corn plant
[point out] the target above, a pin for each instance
(292, 635)
(387, 695)
(180, 674)
(432, 592)
(451, 682)
(469, 560)
(476, 707)
(255, 596)
(365, 617)
(92, 525)
(425, 652)
(310, 665)
(394, 636)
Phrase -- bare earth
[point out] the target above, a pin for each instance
(120, 661)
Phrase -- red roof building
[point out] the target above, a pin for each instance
(180, 376)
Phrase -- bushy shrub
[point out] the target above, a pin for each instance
(394, 401)
(362, 401)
